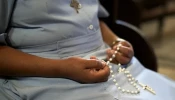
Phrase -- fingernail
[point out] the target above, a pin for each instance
(103, 63)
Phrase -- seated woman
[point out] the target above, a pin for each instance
(60, 44)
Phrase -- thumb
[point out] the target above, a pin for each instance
(95, 63)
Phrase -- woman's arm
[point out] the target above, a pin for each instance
(108, 36)
(16, 63)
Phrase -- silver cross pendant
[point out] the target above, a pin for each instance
(76, 5)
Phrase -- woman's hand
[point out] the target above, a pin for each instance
(86, 71)
(125, 52)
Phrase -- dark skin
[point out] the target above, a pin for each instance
(89, 74)
(16, 63)
(126, 51)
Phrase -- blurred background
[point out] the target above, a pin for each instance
(156, 20)
(160, 32)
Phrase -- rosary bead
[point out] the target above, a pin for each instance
(110, 67)
(134, 85)
(131, 83)
(119, 70)
(123, 69)
(128, 76)
(113, 76)
(119, 88)
(107, 63)
(118, 48)
(133, 79)
(111, 71)
(116, 84)
(123, 90)
(113, 56)
(126, 72)
(136, 92)
(128, 91)
(129, 80)
(132, 92)
(110, 59)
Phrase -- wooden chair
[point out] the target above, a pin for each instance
(139, 11)
(151, 10)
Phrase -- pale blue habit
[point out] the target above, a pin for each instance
(52, 29)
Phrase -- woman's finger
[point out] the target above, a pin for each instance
(123, 43)
(102, 74)
(126, 43)
(119, 57)
(126, 51)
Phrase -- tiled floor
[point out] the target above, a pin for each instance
(164, 49)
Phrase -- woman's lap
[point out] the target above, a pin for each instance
(64, 89)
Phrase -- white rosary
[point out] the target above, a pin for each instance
(76, 5)
(129, 77)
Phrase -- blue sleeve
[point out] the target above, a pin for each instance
(102, 12)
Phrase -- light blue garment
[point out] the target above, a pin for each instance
(52, 29)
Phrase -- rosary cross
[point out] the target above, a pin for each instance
(76, 5)
(146, 87)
